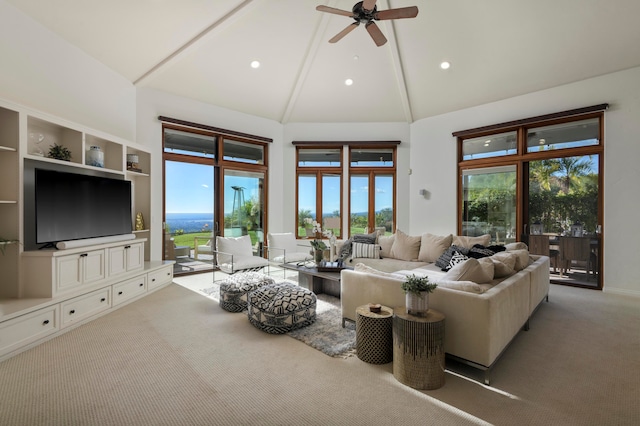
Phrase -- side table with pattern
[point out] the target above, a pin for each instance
(374, 335)
(418, 349)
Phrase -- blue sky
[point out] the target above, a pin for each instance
(189, 189)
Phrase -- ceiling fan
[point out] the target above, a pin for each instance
(366, 12)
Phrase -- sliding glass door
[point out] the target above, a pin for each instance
(244, 212)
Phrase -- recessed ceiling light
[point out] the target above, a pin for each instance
(445, 65)
(356, 57)
(348, 82)
(255, 64)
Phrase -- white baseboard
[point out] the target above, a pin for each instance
(621, 291)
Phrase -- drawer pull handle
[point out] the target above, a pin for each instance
(45, 322)
(127, 247)
(119, 293)
(168, 273)
(141, 284)
(71, 312)
(84, 255)
(153, 280)
(103, 299)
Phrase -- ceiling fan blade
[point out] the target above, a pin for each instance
(375, 33)
(334, 11)
(344, 32)
(400, 13)
(368, 4)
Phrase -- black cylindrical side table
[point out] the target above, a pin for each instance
(373, 335)
(418, 349)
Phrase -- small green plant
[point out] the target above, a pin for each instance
(416, 285)
(59, 152)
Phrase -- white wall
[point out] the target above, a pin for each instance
(153, 103)
(347, 132)
(43, 72)
(433, 160)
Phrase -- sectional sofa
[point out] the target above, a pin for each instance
(486, 300)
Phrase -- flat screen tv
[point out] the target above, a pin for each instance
(71, 206)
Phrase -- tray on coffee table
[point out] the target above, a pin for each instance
(325, 266)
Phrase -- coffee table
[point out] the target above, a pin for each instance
(317, 281)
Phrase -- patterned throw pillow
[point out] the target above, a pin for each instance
(456, 258)
(443, 261)
(371, 251)
(478, 251)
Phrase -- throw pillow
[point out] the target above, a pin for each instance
(366, 238)
(468, 242)
(386, 241)
(405, 247)
(516, 246)
(478, 251)
(432, 247)
(345, 250)
(500, 268)
(445, 258)
(361, 267)
(522, 259)
(371, 251)
(456, 258)
(471, 270)
(506, 257)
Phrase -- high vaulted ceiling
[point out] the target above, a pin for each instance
(202, 49)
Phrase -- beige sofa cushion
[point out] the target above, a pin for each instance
(468, 286)
(519, 258)
(361, 267)
(432, 246)
(405, 247)
(385, 242)
(468, 242)
(470, 270)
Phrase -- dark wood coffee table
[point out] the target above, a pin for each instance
(317, 281)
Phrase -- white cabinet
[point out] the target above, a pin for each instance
(129, 289)
(160, 277)
(82, 307)
(78, 269)
(28, 328)
(126, 258)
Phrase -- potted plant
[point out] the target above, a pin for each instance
(417, 291)
(59, 152)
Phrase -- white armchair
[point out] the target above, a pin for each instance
(236, 254)
(284, 248)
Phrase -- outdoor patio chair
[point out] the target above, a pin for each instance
(202, 248)
(236, 254)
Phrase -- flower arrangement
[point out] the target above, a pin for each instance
(416, 285)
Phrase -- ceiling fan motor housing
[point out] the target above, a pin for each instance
(362, 15)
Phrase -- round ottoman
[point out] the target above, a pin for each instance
(234, 289)
(280, 308)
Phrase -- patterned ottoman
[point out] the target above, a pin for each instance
(234, 289)
(279, 308)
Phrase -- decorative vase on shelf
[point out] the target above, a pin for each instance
(95, 157)
(318, 255)
(417, 303)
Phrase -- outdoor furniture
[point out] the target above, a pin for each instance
(540, 245)
(579, 250)
(236, 254)
(171, 251)
(280, 308)
(202, 248)
(234, 289)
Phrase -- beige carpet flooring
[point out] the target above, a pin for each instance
(176, 358)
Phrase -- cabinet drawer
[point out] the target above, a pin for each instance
(84, 306)
(157, 278)
(129, 289)
(28, 328)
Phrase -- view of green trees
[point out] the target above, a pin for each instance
(562, 191)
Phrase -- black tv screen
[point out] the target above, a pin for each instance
(70, 206)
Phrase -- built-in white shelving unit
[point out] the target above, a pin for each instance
(39, 296)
